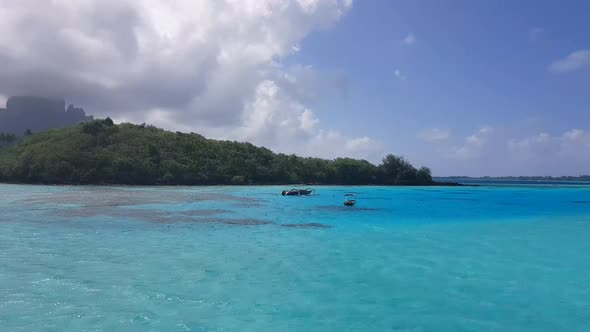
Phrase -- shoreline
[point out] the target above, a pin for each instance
(436, 184)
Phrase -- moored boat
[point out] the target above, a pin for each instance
(349, 199)
(297, 192)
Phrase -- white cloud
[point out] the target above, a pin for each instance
(398, 74)
(359, 144)
(576, 135)
(485, 130)
(574, 61)
(410, 39)
(570, 150)
(489, 151)
(2, 101)
(208, 66)
(274, 118)
(540, 143)
(434, 135)
(473, 145)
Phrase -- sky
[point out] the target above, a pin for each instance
(464, 87)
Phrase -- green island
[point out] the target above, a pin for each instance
(101, 152)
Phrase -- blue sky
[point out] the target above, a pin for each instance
(467, 65)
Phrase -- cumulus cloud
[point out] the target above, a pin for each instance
(273, 115)
(208, 66)
(474, 144)
(434, 135)
(410, 39)
(574, 61)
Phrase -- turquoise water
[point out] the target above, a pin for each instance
(509, 258)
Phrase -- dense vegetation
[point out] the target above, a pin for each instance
(7, 139)
(100, 152)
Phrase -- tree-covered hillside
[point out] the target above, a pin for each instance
(100, 152)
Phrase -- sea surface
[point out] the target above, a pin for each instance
(487, 258)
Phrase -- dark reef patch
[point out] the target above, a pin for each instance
(114, 212)
(201, 216)
(313, 225)
(248, 204)
(113, 197)
(581, 202)
(228, 221)
(201, 213)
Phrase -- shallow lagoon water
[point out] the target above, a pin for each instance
(490, 258)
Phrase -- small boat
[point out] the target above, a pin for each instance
(297, 192)
(349, 199)
(292, 192)
(305, 192)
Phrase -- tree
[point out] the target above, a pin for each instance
(424, 175)
(7, 138)
(238, 180)
(397, 170)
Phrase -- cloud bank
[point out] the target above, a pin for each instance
(565, 153)
(208, 66)
(499, 152)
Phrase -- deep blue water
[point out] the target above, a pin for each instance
(489, 258)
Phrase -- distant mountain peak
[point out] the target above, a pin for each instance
(38, 114)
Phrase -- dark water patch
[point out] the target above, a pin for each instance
(201, 216)
(308, 225)
(120, 197)
(138, 214)
(246, 222)
(104, 196)
(202, 213)
(248, 205)
(506, 203)
(581, 202)
(226, 197)
(228, 221)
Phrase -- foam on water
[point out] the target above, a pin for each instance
(247, 259)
